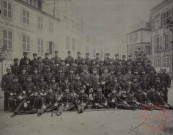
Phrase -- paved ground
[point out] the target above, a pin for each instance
(111, 122)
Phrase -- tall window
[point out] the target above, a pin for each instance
(26, 43)
(50, 47)
(166, 61)
(73, 44)
(40, 22)
(166, 41)
(156, 43)
(7, 39)
(157, 62)
(7, 9)
(25, 17)
(40, 45)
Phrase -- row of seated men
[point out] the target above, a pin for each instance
(83, 91)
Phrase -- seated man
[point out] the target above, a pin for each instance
(15, 91)
(112, 98)
(99, 100)
(49, 104)
(82, 100)
(66, 101)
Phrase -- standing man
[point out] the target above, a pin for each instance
(166, 81)
(97, 59)
(107, 60)
(69, 59)
(78, 60)
(6, 80)
(46, 60)
(25, 56)
(57, 59)
(87, 60)
(15, 67)
(34, 62)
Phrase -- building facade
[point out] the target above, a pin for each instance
(162, 47)
(26, 27)
(139, 37)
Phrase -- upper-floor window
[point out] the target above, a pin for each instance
(7, 39)
(25, 15)
(26, 43)
(166, 41)
(40, 45)
(7, 9)
(156, 44)
(40, 22)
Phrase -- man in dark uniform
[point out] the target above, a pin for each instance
(65, 84)
(71, 75)
(25, 56)
(95, 80)
(123, 59)
(128, 67)
(35, 76)
(27, 66)
(79, 59)
(46, 60)
(60, 76)
(120, 67)
(87, 59)
(93, 66)
(76, 84)
(135, 86)
(48, 75)
(99, 100)
(49, 104)
(69, 60)
(66, 101)
(116, 59)
(85, 79)
(57, 59)
(22, 76)
(165, 79)
(112, 98)
(40, 66)
(54, 86)
(15, 93)
(53, 67)
(82, 99)
(15, 67)
(34, 62)
(152, 77)
(148, 67)
(97, 59)
(101, 67)
(6, 80)
(108, 59)
(63, 67)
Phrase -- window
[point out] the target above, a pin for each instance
(7, 39)
(73, 44)
(26, 43)
(51, 27)
(25, 17)
(7, 9)
(147, 50)
(50, 47)
(156, 43)
(67, 42)
(40, 22)
(165, 16)
(40, 45)
(157, 62)
(166, 41)
(166, 61)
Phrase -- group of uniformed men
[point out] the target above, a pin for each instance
(54, 85)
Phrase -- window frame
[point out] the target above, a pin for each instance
(26, 44)
(7, 39)
(40, 45)
(25, 17)
(7, 9)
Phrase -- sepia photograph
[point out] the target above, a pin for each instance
(86, 67)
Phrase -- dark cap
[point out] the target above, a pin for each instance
(15, 77)
(25, 53)
(47, 54)
(97, 53)
(56, 51)
(116, 54)
(39, 58)
(123, 56)
(23, 68)
(34, 54)
(87, 54)
(29, 77)
(78, 53)
(16, 59)
(69, 51)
